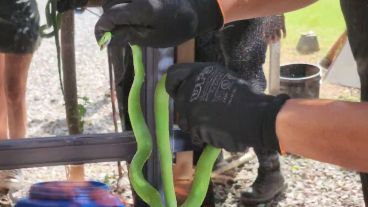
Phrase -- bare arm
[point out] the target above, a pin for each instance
(234, 10)
(329, 131)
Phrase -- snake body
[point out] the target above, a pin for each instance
(143, 137)
(144, 144)
(53, 20)
(163, 142)
(202, 177)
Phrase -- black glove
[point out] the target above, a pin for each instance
(220, 109)
(65, 5)
(158, 23)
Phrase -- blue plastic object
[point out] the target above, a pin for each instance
(70, 194)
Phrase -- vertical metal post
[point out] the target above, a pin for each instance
(274, 73)
(152, 170)
(156, 62)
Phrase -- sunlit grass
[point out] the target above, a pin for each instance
(324, 18)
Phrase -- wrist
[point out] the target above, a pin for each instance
(225, 7)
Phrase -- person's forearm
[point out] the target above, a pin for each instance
(234, 10)
(329, 131)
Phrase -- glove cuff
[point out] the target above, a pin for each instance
(270, 139)
(209, 15)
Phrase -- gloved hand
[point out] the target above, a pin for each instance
(220, 109)
(274, 28)
(65, 5)
(157, 23)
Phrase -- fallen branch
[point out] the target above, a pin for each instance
(243, 159)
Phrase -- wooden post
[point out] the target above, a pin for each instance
(183, 175)
(334, 51)
(74, 173)
(183, 168)
(185, 52)
(274, 71)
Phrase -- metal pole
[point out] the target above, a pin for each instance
(157, 61)
(64, 150)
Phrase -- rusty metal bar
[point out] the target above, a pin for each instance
(74, 149)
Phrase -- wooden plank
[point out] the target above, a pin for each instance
(274, 71)
(184, 160)
(183, 175)
(183, 169)
(185, 52)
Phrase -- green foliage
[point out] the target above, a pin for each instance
(295, 168)
(82, 110)
(350, 98)
(109, 180)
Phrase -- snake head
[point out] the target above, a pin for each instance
(105, 40)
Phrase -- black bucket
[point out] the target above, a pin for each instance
(300, 80)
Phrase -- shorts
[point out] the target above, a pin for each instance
(19, 26)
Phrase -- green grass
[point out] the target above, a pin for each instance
(324, 18)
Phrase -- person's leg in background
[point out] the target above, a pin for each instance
(16, 72)
(244, 49)
(3, 102)
(241, 46)
(19, 38)
(207, 49)
(356, 17)
(15, 80)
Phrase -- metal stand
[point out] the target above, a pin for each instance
(157, 61)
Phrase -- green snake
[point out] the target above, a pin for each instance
(142, 134)
(53, 20)
(163, 140)
(144, 144)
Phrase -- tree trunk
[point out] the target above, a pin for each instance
(74, 172)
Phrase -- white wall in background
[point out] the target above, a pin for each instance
(344, 70)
